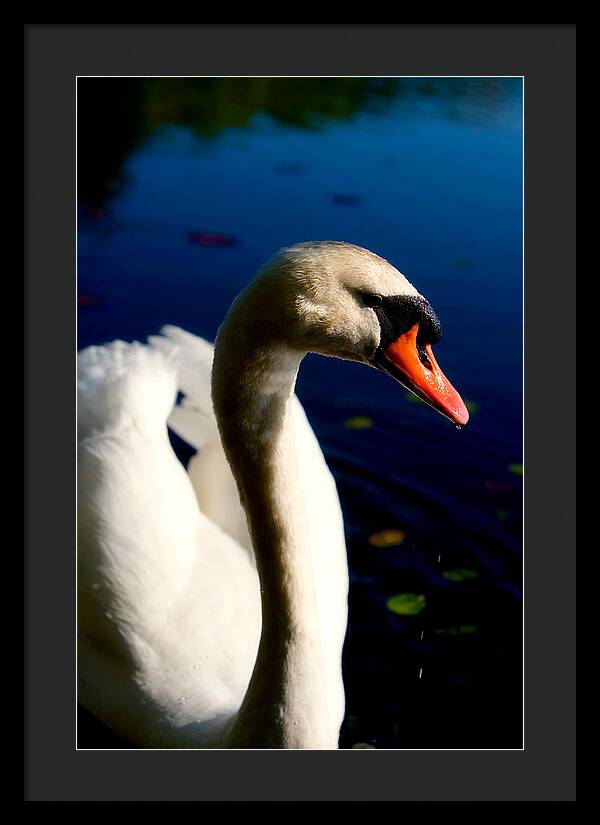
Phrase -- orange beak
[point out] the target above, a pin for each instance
(414, 366)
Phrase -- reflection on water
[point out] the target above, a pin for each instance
(138, 107)
(187, 186)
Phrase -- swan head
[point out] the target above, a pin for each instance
(341, 300)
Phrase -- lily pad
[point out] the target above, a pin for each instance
(211, 239)
(406, 604)
(95, 212)
(387, 538)
(359, 422)
(460, 575)
(456, 630)
(86, 300)
(516, 469)
(495, 487)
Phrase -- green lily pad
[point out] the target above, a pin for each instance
(516, 469)
(359, 422)
(456, 630)
(460, 575)
(406, 604)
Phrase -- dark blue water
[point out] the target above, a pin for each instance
(185, 188)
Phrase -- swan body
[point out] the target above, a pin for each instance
(169, 607)
(212, 603)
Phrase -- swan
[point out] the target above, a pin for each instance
(212, 603)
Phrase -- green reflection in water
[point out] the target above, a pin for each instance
(116, 114)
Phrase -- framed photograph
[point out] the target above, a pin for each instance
(257, 544)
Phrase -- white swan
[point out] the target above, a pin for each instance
(190, 634)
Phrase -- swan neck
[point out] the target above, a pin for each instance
(253, 395)
(254, 407)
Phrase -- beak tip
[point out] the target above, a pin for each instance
(460, 414)
(462, 421)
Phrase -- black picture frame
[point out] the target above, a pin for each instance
(54, 55)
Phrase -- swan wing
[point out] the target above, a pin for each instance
(194, 421)
(168, 602)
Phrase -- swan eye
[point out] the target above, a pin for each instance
(372, 300)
